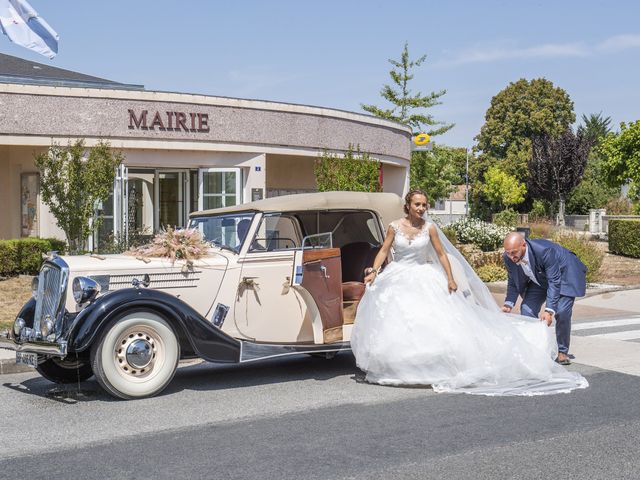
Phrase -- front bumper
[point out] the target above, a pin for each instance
(58, 349)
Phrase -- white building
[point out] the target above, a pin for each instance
(183, 152)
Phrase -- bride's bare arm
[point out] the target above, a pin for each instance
(442, 256)
(383, 253)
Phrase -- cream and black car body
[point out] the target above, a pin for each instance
(283, 276)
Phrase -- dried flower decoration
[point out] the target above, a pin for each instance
(184, 244)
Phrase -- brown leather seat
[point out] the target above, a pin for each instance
(352, 291)
(355, 258)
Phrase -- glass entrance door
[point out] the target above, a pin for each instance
(172, 198)
(219, 187)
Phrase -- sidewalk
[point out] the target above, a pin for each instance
(598, 303)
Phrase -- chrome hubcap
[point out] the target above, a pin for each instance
(139, 353)
(136, 351)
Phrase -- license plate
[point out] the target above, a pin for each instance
(25, 358)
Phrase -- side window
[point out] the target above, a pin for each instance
(276, 232)
(356, 227)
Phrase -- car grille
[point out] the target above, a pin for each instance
(51, 290)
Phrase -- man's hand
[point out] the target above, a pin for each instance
(547, 317)
(506, 309)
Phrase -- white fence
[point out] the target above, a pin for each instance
(596, 223)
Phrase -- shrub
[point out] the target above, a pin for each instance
(485, 235)
(539, 211)
(492, 272)
(355, 172)
(450, 233)
(24, 255)
(30, 252)
(8, 257)
(540, 230)
(587, 251)
(59, 246)
(619, 206)
(624, 237)
(506, 218)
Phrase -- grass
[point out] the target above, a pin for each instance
(14, 292)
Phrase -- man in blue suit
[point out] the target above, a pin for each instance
(542, 271)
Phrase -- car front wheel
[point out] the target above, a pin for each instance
(136, 356)
(58, 370)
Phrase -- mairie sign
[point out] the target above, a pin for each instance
(421, 142)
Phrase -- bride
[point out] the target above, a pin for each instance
(427, 319)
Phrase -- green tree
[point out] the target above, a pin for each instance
(72, 180)
(436, 172)
(521, 111)
(592, 191)
(352, 172)
(621, 157)
(502, 189)
(594, 127)
(408, 108)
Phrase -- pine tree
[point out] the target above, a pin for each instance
(404, 103)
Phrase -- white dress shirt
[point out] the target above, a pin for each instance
(526, 267)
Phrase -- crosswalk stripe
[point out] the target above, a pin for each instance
(627, 335)
(606, 323)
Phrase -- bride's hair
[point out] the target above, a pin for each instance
(409, 196)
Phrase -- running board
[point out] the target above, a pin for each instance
(250, 352)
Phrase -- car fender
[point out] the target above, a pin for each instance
(202, 337)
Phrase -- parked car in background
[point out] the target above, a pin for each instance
(282, 276)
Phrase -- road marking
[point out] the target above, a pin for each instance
(606, 323)
(626, 335)
(607, 353)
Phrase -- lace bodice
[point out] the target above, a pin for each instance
(409, 244)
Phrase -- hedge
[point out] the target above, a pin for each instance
(624, 237)
(24, 256)
(586, 250)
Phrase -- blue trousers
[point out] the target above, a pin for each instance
(532, 301)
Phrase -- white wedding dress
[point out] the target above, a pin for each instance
(409, 330)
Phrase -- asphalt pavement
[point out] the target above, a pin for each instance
(303, 417)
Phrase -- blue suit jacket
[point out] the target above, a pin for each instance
(556, 269)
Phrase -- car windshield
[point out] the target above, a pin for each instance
(224, 231)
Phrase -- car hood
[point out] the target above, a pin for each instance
(80, 264)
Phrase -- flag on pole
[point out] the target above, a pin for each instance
(22, 24)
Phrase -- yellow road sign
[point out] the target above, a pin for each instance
(421, 139)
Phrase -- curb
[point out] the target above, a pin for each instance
(619, 288)
(9, 365)
(501, 287)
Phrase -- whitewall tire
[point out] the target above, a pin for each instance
(136, 356)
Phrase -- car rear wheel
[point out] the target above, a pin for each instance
(66, 370)
(136, 356)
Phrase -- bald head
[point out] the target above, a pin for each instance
(514, 246)
(513, 240)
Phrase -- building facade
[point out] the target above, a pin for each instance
(183, 152)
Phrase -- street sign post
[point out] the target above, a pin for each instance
(421, 142)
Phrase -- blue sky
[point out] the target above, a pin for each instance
(334, 53)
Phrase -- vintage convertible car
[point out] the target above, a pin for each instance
(283, 276)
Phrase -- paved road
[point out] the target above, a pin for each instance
(310, 418)
(304, 417)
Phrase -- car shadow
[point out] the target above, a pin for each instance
(68, 394)
(205, 376)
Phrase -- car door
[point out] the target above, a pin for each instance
(267, 309)
(317, 276)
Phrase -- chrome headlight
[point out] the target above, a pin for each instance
(84, 290)
(34, 287)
